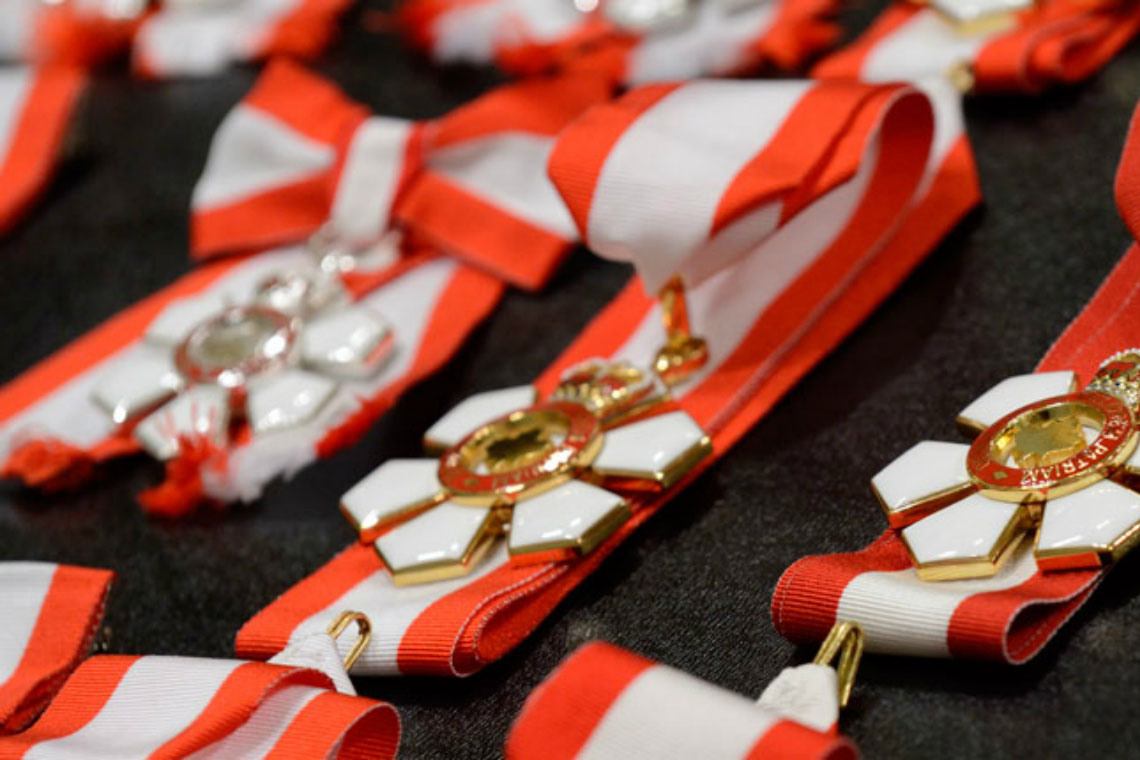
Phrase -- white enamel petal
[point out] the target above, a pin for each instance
(660, 448)
(350, 343)
(1014, 393)
(286, 400)
(1089, 520)
(475, 411)
(573, 515)
(181, 316)
(963, 532)
(392, 490)
(966, 11)
(201, 412)
(136, 384)
(443, 535)
(925, 472)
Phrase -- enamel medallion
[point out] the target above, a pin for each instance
(271, 360)
(1048, 459)
(549, 475)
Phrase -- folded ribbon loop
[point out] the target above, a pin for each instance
(297, 153)
(52, 614)
(715, 169)
(605, 702)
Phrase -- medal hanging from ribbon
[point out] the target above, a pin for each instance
(301, 704)
(251, 367)
(995, 544)
(604, 702)
(761, 236)
(633, 41)
(52, 615)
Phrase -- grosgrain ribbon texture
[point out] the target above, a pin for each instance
(117, 706)
(52, 615)
(785, 299)
(604, 702)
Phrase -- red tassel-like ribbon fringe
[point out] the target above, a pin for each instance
(50, 465)
(181, 492)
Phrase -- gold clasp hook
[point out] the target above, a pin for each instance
(683, 353)
(846, 641)
(363, 634)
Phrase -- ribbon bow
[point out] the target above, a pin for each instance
(296, 154)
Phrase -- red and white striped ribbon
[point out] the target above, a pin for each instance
(1054, 41)
(175, 38)
(1011, 616)
(296, 152)
(35, 110)
(53, 433)
(1057, 41)
(529, 36)
(604, 702)
(196, 39)
(72, 32)
(848, 159)
(117, 707)
(51, 616)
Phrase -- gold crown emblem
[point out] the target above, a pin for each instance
(1119, 376)
(611, 391)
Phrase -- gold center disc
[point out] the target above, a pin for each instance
(1041, 450)
(521, 454)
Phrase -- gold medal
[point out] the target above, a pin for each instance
(1047, 458)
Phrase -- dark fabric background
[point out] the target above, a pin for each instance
(692, 587)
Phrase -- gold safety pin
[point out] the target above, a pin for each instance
(846, 641)
(363, 634)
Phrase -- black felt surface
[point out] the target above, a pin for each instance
(692, 587)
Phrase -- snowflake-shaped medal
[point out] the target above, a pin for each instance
(538, 471)
(270, 362)
(1047, 458)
